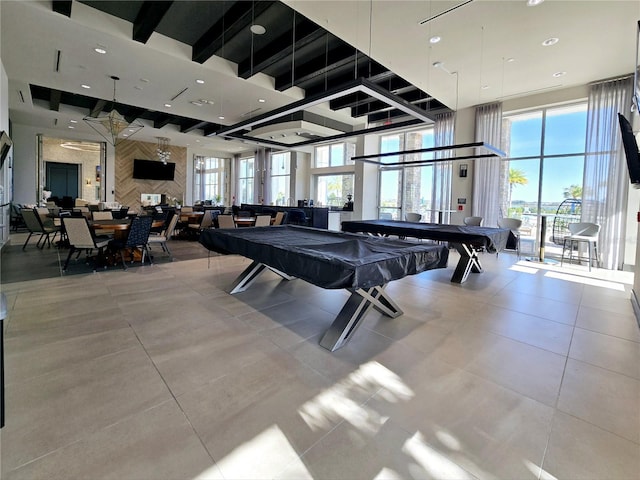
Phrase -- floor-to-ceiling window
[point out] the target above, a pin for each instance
(404, 188)
(246, 179)
(208, 179)
(544, 169)
(280, 178)
(332, 174)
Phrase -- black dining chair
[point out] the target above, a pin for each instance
(137, 239)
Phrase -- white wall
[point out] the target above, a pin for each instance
(6, 172)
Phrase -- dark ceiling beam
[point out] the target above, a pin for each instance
(134, 112)
(375, 74)
(210, 129)
(162, 120)
(319, 67)
(149, 17)
(370, 108)
(54, 100)
(62, 6)
(236, 19)
(190, 125)
(280, 48)
(386, 115)
(98, 107)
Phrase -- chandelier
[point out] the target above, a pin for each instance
(113, 127)
(164, 155)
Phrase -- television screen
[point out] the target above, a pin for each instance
(630, 150)
(153, 170)
(5, 146)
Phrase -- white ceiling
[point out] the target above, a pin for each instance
(596, 41)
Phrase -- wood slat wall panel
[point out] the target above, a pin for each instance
(129, 189)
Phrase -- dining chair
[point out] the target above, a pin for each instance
(473, 221)
(582, 232)
(164, 237)
(412, 217)
(81, 237)
(279, 218)
(102, 215)
(226, 221)
(514, 225)
(296, 216)
(136, 239)
(262, 221)
(35, 226)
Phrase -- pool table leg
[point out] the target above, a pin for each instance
(469, 262)
(353, 311)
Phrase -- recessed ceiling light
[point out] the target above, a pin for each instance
(71, 126)
(137, 87)
(196, 103)
(437, 64)
(533, 3)
(125, 134)
(550, 41)
(511, 60)
(85, 86)
(100, 50)
(485, 87)
(221, 117)
(261, 100)
(144, 80)
(197, 141)
(73, 121)
(257, 29)
(435, 39)
(168, 105)
(559, 74)
(200, 81)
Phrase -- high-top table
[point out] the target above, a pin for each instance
(467, 240)
(361, 264)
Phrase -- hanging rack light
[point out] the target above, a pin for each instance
(113, 127)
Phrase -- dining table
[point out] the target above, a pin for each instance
(119, 226)
(244, 221)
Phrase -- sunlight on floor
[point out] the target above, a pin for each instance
(586, 280)
(434, 463)
(336, 404)
(538, 472)
(613, 280)
(264, 456)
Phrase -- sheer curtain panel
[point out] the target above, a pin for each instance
(606, 182)
(486, 177)
(443, 135)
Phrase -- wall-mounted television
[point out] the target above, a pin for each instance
(153, 170)
(630, 150)
(5, 146)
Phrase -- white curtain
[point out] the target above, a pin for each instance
(486, 177)
(606, 182)
(442, 171)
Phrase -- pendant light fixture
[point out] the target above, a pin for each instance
(113, 127)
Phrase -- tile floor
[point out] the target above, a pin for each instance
(526, 371)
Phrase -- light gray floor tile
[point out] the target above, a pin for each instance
(529, 329)
(611, 353)
(579, 450)
(604, 398)
(616, 324)
(465, 384)
(46, 413)
(156, 444)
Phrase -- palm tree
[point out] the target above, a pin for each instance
(573, 191)
(516, 177)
